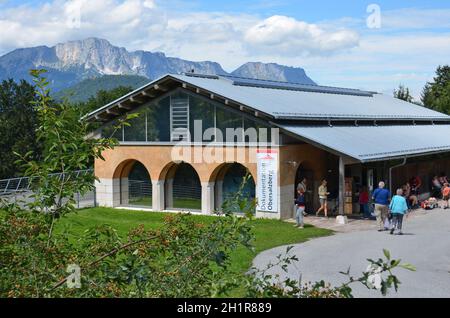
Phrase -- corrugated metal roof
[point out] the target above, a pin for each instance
(371, 143)
(297, 104)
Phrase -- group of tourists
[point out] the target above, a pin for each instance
(397, 207)
(440, 188)
(300, 201)
(389, 212)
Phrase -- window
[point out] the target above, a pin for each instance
(230, 124)
(200, 109)
(158, 121)
(263, 132)
(174, 118)
(110, 131)
(136, 130)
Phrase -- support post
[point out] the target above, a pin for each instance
(341, 185)
(158, 195)
(341, 218)
(218, 201)
(207, 197)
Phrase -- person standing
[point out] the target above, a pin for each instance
(364, 202)
(302, 186)
(398, 208)
(323, 198)
(446, 195)
(381, 198)
(300, 203)
(436, 187)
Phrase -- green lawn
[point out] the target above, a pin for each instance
(268, 233)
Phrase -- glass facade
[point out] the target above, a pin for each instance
(231, 125)
(154, 123)
(158, 121)
(136, 130)
(204, 111)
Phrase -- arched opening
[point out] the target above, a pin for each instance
(305, 176)
(229, 181)
(134, 184)
(183, 188)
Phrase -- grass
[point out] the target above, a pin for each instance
(268, 233)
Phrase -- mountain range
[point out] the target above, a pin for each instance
(72, 62)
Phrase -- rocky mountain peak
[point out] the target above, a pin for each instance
(71, 62)
(273, 71)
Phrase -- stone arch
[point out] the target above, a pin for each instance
(182, 187)
(132, 184)
(227, 178)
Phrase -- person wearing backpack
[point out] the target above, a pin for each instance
(300, 202)
(398, 208)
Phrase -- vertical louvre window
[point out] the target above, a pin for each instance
(179, 118)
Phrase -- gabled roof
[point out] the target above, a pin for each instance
(279, 100)
(289, 105)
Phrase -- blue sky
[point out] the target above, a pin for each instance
(330, 39)
(308, 10)
(301, 9)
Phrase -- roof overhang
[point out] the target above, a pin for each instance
(375, 143)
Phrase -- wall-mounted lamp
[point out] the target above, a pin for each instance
(291, 162)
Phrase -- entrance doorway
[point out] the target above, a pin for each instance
(302, 173)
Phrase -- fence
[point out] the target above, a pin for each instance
(19, 190)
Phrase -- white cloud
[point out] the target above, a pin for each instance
(289, 36)
(118, 21)
(141, 24)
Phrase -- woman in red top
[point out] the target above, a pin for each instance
(446, 195)
(364, 202)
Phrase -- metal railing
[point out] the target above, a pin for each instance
(24, 184)
(20, 190)
(139, 190)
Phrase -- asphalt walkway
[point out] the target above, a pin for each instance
(426, 245)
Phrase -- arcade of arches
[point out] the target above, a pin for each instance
(144, 176)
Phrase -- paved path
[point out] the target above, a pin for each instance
(426, 245)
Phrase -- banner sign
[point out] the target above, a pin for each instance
(267, 187)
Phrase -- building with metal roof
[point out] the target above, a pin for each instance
(350, 137)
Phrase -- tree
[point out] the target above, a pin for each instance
(65, 149)
(403, 93)
(18, 123)
(436, 94)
